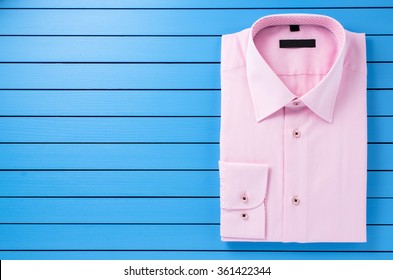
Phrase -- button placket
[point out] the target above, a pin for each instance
(295, 171)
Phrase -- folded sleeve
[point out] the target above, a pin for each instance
(243, 188)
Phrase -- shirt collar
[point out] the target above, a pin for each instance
(267, 100)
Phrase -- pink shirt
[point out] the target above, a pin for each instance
(293, 138)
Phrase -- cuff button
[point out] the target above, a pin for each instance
(244, 216)
(244, 198)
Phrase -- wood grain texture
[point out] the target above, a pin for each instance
(119, 129)
(168, 183)
(109, 156)
(138, 49)
(138, 156)
(114, 183)
(165, 237)
(113, 102)
(172, 22)
(136, 130)
(204, 4)
(119, 76)
(136, 76)
(138, 210)
(138, 103)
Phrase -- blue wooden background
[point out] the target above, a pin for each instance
(109, 128)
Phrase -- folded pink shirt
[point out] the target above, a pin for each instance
(293, 134)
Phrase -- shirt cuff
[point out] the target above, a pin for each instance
(243, 188)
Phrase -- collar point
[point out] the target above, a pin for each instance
(260, 117)
(328, 118)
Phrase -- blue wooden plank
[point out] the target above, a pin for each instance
(378, 129)
(188, 4)
(111, 103)
(136, 76)
(112, 49)
(379, 184)
(114, 183)
(144, 183)
(119, 129)
(164, 237)
(172, 22)
(138, 210)
(137, 49)
(109, 156)
(380, 157)
(137, 156)
(380, 102)
(377, 50)
(111, 76)
(379, 211)
(191, 255)
(138, 103)
(138, 129)
(377, 73)
(119, 210)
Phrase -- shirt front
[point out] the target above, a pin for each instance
(293, 132)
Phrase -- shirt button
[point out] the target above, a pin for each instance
(244, 216)
(295, 103)
(296, 133)
(244, 198)
(295, 200)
